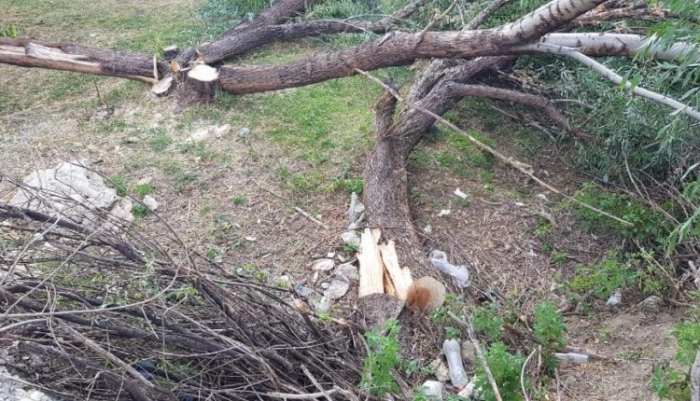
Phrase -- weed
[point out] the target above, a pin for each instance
(549, 330)
(487, 321)
(238, 200)
(351, 248)
(672, 383)
(119, 184)
(602, 280)
(183, 180)
(139, 211)
(559, 257)
(505, 368)
(143, 189)
(441, 316)
(648, 225)
(382, 359)
(160, 141)
(213, 252)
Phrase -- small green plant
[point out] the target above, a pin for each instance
(213, 252)
(602, 280)
(238, 200)
(383, 358)
(505, 368)
(648, 225)
(139, 211)
(672, 383)
(487, 321)
(119, 184)
(442, 317)
(142, 190)
(160, 141)
(10, 32)
(549, 330)
(350, 248)
(559, 257)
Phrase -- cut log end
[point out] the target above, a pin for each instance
(171, 52)
(164, 86)
(203, 73)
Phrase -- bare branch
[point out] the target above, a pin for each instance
(519, 97)
(480, 18)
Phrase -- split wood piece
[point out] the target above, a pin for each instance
(82, 59)
(371, 266)
(400, 277)
(164, 86)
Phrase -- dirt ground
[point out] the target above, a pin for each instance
(235, 197)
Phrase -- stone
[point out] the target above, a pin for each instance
(145, 181)
(350, 271)
(61, 188)
(649, 304)
(376, 309)
(150, 203)
(200, 135)
(222, 131)
(468, 352)
(323, 264)
(442, 373)
(243, 132)
(350, 238)
(338, 287)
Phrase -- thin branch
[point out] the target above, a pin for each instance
(308, 396)
(467, 325)
(485, 13)
(315, 382)
(522, 167)
(639, 91)
(312, 218)
(522, 375)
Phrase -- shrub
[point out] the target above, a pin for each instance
(383, 358)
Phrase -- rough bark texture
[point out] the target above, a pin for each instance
(83, 59)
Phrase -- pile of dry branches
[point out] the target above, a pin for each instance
(98, 310)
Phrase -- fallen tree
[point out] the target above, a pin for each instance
(462, 58)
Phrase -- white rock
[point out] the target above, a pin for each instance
(444, 212)
(325, 285)
(349, 270)
(200, 135)
(542, 197)
(468, 390)
(433, 388)
(338, 287)
(243, 132)
(67, 180)
(150, 203)
(145, 181)
(251, 239)
(350, 238)
(442, 373)
(428, 229)
(222, 131)
(323, 265)
(468, 352)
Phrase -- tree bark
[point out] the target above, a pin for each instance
(83, 59)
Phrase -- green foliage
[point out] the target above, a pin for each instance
(10, 32)
(603, 279)
(505, 368)
(549, 330)
(160, 140)
(648, 226)
(487, 321)
(383, 358)
(672, 383)
(441, 316)
(142, 190)
(549, 326)
(139, 211)
(119, 184)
